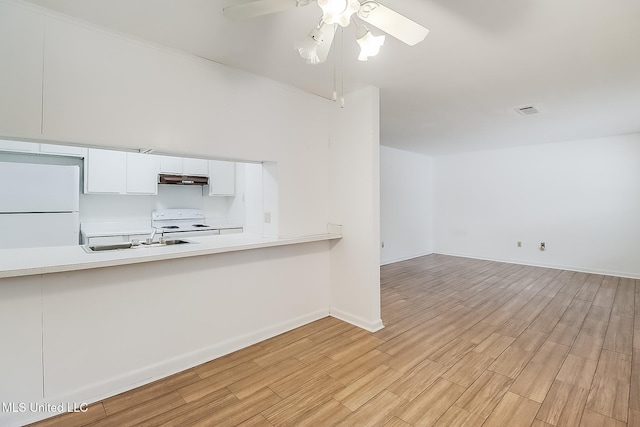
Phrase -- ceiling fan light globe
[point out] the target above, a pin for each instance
(308, 47)
(338, 11)
(369, 45)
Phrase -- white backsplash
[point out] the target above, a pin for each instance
(98, 207)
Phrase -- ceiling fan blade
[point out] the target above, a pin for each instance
(252, 9)
(391, 22)
(328, 33)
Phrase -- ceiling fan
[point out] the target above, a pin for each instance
(314, 48)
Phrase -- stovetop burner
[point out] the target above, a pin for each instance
(170, 227)
(200, 226)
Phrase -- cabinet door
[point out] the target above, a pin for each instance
(19, 146)
(21, 44)
(105, 171)
(142, 173)
(63, 150)
(21, 329)
(222, 178)
(195, 167)
(170, 164)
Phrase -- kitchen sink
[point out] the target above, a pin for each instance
(130, 245)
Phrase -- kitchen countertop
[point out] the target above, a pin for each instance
(31, 261)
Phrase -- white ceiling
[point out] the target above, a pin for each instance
(577, 61)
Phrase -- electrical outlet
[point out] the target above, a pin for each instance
(519, 244)
(543, 246)
(382, 245)
(267, 217)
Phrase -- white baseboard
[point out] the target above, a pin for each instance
(580, 269)
(405, 258)
(357, 321)
(99, 391)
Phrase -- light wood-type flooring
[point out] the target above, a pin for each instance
(466, 343)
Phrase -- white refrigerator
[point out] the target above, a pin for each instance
(38, 205)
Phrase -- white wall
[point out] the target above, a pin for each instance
(355, 181)
(406, 205)
(582, 198)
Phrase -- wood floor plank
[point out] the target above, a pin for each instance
(142, 412)
(235, 412)
(296, 381)
(607, 292)
(593, 419)
(452, 352)
(578, 371)
(511, 362)
(619, 336)
(229, 361)
(609, 394)
(494, 345)
(198, 390)
(431, 404)
(257, 421)
(253, 383)
(484, 394)
(634, 392)
(624, 302)
(309, 394)
(537, 377)
(410, 385)
(563, 405)
(377, 411)
(468, 369)
(149, 392)
(349, 372)
(564, 334)
(458, 417)
(193, 411)
(513, 411)
(396, 422)
(327, 414)
(360, 391)
(283, 353)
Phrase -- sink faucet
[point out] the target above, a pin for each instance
(151, 236)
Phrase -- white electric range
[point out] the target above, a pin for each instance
(180, 223)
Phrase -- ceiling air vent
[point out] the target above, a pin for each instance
(527, 110)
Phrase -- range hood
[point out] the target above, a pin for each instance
(172, 179)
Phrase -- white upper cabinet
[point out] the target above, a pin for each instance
(105, 171)
(169, 164)
(21, 44)
(142, 173)
(62, 150)
(117, 172)
(184, 166)
(222, 178)
(35, 148)
(19, 146)
(195, 167)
